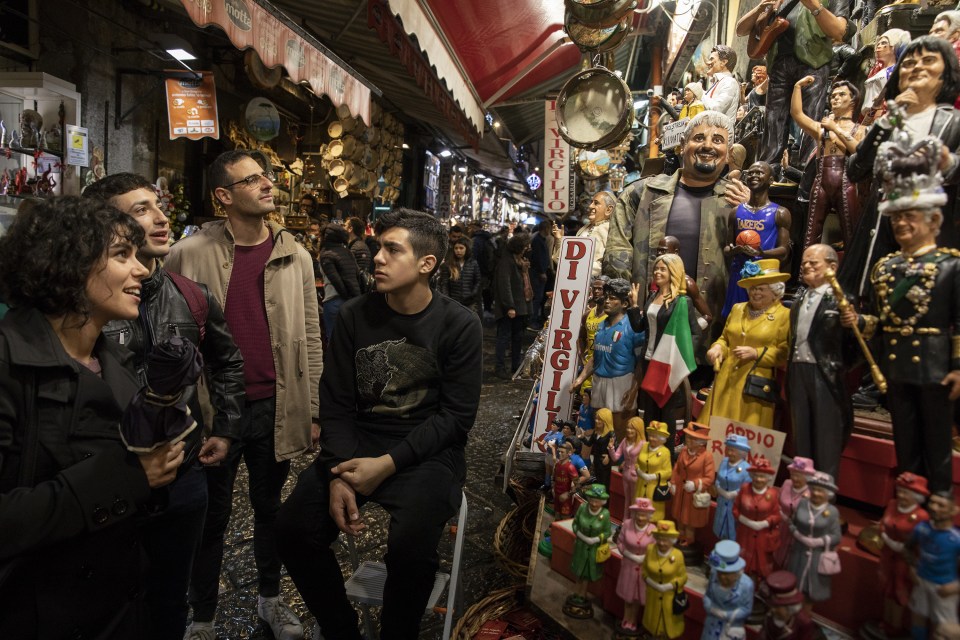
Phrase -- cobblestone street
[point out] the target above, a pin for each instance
(500, 401)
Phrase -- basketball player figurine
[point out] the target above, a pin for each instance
(760, 228)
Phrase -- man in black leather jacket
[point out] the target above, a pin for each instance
(176, 307)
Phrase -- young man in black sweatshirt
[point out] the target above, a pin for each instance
(398, 397)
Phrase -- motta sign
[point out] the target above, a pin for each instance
(566, 315)
(556, 186)
(248, 24)
(239, 14)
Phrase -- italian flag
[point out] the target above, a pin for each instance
(673, 358)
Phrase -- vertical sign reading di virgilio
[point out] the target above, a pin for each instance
(556, 152)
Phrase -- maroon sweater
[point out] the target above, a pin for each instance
(246, 316)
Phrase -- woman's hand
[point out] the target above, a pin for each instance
(160, 465)
(907, 98)
(511, 313)
(805, 82)
(715, 355)
(634, 296)
(745, 353)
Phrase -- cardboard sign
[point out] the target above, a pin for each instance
(673, 133)
(192, 106)
(556, 183)
(763, 441)
(566, 315)
(78, 154)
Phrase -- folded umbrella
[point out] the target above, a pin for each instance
(158, 413)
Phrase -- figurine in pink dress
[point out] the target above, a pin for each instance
(635, 536)
(792, 491)
(625, 455)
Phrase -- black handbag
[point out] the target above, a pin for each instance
(681, 601)
(759, 387)
(661, 493)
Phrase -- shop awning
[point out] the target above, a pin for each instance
(278, 40)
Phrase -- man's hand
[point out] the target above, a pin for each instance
(848, 318)
(511, 313)
(343, 508)
(161, 464)
(736, 193)
(948, 589)
(314, 436)
(907, 98)
(952, 380)
(213, 451)
(805, 82)
(365, 474)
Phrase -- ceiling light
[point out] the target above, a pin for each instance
(446, 153)
(181, 54)
(536, 168)
(480, 176)
(462, 169)
(404, 146)
(496, 123)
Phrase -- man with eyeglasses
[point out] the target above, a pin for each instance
(264, 280)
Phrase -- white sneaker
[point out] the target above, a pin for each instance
(281, 619)
(200, 631)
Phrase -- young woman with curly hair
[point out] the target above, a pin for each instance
(70, 556)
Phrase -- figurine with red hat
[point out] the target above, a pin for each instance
(816, 532)
(786, 618)
(901, 516)
(793, 490)
(635, 536)
(693, 476)
(665, 574)
(757, 510)
(728, 600)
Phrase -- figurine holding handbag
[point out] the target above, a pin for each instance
(753, 344)
(665, 574)
(693, 475)
(816, 529)
(654, 469)
(593, 529)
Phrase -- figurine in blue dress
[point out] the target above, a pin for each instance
(733, 473)
(729, 596)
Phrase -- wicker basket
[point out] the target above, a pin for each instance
(496, 604)
(511, 542)
(524, 489)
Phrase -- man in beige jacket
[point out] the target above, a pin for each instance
(264, 281)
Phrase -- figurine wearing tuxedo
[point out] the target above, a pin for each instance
(820, 352)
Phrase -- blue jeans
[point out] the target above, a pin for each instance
(170, 539)
(330, 310)
(267, 476)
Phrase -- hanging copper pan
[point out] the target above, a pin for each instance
(341, 168)
(594, 109)
(371, 135)
(597, 39)
(600, 13)
(335, 129)
(335, 148)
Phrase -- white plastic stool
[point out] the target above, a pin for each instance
(365, 586)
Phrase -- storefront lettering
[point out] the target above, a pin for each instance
(239, 14)
(569, 304)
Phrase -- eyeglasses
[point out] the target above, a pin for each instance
(911, 63)
(254, 180)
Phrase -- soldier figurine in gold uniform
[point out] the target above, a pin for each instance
(918, 304)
